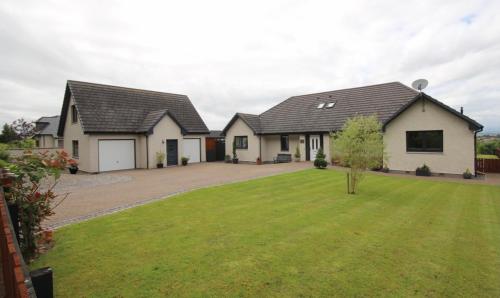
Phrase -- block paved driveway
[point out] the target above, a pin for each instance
(99, 194)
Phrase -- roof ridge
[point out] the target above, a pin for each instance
(248, 114)
(359, 87)
(126, 88)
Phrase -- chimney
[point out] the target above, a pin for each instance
(462, 110)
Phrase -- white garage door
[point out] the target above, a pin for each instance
(192, 149)
(116, 155)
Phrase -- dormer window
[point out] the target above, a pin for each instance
(321, 105)
(330, 105)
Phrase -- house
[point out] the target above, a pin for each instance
(115, 128)
(417, 128)
(46, 133)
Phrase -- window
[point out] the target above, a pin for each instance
(284, 142)
(74, 114)
(241, 142)
(60, 143)
(330, 105)
(75, 148)
(424, 141)
(321, 105)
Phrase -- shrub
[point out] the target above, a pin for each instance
(4, 155)
(297, 153)
(24, 144)
(184, 160)
(33, 194)
(467, 174)
(423, 171)
(160, 157)
(320, 161)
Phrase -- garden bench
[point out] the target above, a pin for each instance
(281, 158)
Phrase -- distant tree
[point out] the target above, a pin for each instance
(488, 146)
(8, 134)
(359, 146)
(23, 128)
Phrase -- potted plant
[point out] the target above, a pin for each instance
(235, 157)
(227, 158)
(467, 174)
(320, 161)
(73, 167)
(160, 157)
(297, 154)
(184, 160)
(423, 171)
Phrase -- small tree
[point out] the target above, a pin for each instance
(359, 146)
(23, 128)
(8, 134)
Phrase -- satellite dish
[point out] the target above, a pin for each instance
(420, 84)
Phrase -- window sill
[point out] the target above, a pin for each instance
(424, 152)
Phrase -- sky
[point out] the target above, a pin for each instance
(247, 56)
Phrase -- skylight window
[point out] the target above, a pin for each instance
(321, 105)
(330, 105)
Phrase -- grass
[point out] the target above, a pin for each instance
(295, 234)
(487, 156)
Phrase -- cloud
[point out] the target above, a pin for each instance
(229, 56)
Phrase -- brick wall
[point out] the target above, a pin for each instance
(14, 275)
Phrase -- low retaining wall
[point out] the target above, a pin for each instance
(19, 151)
(16, 279)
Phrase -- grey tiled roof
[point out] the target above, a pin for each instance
(49, 125)
(151, 119)
(252, 120)
(105, 108)
(215, 134)
(300, 114)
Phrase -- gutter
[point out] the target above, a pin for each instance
(147, 152)
(475, 148)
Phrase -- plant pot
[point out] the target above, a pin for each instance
(422, 173)
(235, 160)
(73, 170)
(184, 162)
(467, 175)
(159, 165)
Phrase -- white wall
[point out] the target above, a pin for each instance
(458, 140)
(168, 129)
(240, 128)
(73, 131)
(271, 146)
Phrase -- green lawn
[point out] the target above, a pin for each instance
(487, 156)
(296, 234)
